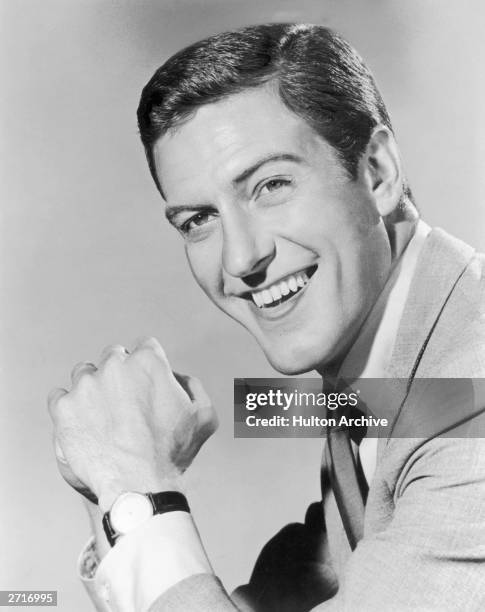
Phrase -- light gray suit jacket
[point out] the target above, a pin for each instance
(424, 535)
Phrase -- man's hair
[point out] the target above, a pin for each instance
(317, 74)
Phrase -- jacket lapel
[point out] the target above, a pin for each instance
(442, 261)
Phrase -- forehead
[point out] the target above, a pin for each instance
(224, 138)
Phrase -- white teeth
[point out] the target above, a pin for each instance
(267, 299)
(293, 285)
(274, 293)
(284, 288)
(258, 299)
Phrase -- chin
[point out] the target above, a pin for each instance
(296, 360)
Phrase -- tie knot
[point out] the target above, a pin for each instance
(350, 420)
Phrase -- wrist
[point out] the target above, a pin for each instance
(96, 523)
(111, 492)
(131, 510)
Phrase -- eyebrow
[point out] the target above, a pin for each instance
(172, 211)
(274, 157)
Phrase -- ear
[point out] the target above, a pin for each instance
(382, 170)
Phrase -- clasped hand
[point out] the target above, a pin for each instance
(129, 423)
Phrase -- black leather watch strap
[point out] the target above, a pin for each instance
(165, 501)
(168, 501)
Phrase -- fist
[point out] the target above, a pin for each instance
(128, 424)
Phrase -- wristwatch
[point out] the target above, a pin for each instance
(131, 509)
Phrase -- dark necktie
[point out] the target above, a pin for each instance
(347, 478)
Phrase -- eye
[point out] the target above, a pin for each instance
(273, 184)
(196, 221)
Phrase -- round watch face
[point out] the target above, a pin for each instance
(129, 511)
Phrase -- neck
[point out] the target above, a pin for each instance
(400, 227)
(400, 231)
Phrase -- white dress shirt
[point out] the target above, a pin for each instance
(167, 548)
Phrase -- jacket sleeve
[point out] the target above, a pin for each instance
(292, 574)
(199, 593)
(430, 556)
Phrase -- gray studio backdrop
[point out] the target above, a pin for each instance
(88, 260)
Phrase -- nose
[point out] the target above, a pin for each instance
(248, 248)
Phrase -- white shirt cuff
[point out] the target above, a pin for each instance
(146, 562)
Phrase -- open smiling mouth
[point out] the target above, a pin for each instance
(283, 290)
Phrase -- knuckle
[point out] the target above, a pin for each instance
(113, 351)
(141, 358)
(81, 369)
(52, 395)
(109, 359)
(150, 341)
(151, 344)
(60, 456)
(150, 350)
(54, 399)
(208, 417)
(83, 386)
(113, 357)
(112, 348)
(79, 365)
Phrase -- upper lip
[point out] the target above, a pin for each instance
(248, 292)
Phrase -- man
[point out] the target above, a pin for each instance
(275, 155)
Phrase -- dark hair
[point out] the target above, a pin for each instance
(318, 75)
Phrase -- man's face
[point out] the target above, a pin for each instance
(276, 232)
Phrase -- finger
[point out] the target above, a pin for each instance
(193, 387)
(53, 398)
(111, 351)
(59, 452)
(150, 344)
(84, 367)
(207, 414)
(198, 395)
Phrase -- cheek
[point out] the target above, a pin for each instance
(205, 264)
(317, 217)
